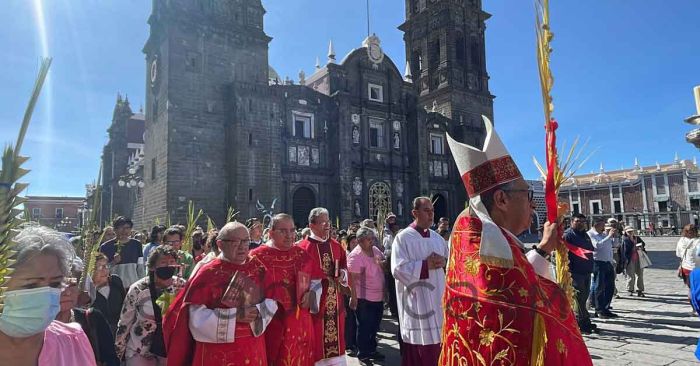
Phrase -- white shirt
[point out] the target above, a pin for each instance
(686, 251)
(419, 300)
(603, 244)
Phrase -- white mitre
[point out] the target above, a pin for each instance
(481, 171)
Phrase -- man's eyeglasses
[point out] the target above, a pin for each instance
(530, 192)
(239, 241)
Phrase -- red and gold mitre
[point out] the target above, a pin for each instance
(498, 310)
(482, 170)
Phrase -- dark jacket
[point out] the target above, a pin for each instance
(581, 240)
(129, 252)
(111, 307)
(98, 333)
(628, 247)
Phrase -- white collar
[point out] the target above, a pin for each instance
(314, 237)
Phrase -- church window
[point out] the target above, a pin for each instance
(250, 194)
(59, 213)
(460, 50)
(154, 110)
(434, 54)
(250, 139)
(153, 169)
(475, 53)
(375, 92)
(376, 134)
(436, 144)
(303, 125)
(36, 212)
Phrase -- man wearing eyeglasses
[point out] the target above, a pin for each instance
(220, 315)
(329, 264)
(499, 295)
(288, 338)
(173, 237)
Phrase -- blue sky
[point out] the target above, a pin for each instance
(624, 72)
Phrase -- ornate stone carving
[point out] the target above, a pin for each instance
(303, 155)
(357, 186)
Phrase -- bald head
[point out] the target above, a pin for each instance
(233, 240)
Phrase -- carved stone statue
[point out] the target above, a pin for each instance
(358, 212)
(397, 141)
(357, 186)
(355, 135)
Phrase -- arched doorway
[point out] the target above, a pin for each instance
(303, 200)
(439, 206)
(379, 199)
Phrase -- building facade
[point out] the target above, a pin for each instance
(357, 136)
(66, 214)
(122, 161)
(659, 197)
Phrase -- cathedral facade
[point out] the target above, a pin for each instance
(358, 136)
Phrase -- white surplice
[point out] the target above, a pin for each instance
(419, 300)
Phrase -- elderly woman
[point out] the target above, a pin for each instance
(685, 250)
(139, 339)
(631, 245)
(365, 264)
(29, 333)
(109, 295)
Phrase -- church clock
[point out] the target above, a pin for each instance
(154, 71)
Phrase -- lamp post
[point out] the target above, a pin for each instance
(131, 179)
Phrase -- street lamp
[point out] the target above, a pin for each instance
(131, 179)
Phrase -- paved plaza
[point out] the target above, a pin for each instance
(658, 329)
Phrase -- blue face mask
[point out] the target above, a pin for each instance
(29, 312)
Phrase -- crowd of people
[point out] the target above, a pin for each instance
(613, 250)
(243, 294)
(268, 293)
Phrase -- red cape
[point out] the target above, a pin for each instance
(207, 287)
(496, 315)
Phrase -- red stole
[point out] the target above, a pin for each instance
(289, 336)
(497, 315)
(206, 288)
(329, 323)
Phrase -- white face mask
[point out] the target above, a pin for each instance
(29, 312)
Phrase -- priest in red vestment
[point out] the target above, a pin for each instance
(501, 305)
(218, 318)
(289, 337)
(329, 265)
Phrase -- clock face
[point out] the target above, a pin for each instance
(154, 70)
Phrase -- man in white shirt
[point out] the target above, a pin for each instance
(603, 237)
(418, 259)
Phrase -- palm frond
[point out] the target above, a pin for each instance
(10, 188)
(192, 219)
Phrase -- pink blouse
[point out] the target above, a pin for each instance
(65, 344)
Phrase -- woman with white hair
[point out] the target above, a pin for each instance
(29, 335)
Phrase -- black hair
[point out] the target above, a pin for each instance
(158, 252)
(121, 221)
(155, 231)
(173, 231)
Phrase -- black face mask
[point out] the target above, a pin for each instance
(165, 273)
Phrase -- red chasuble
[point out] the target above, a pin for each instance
(289, 336)
(329, 323)
(504, 314)
(206, 288)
